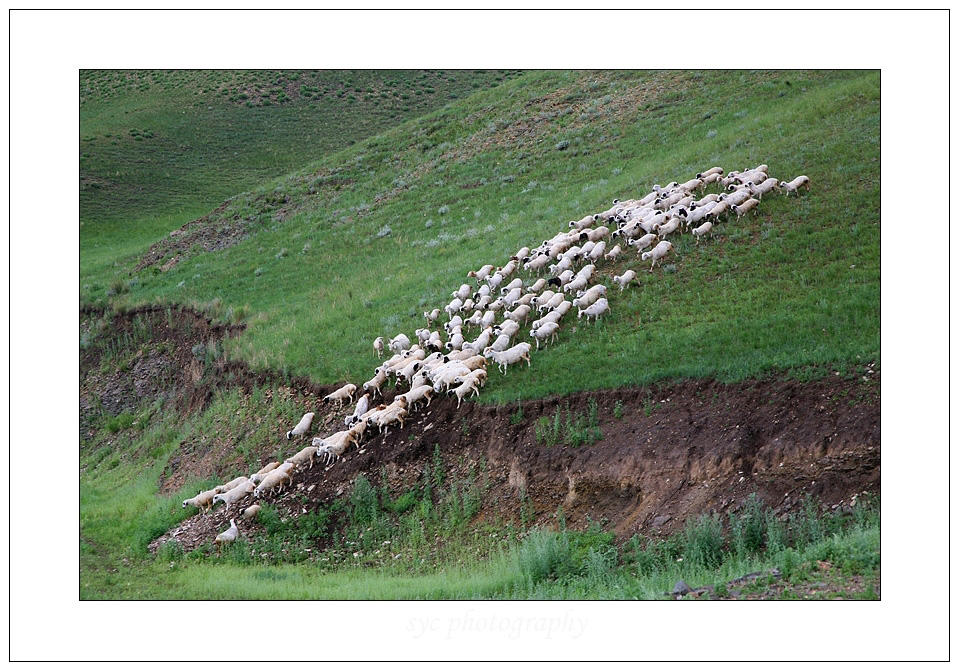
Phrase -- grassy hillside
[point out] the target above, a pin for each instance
(359, 243)
(159, 148)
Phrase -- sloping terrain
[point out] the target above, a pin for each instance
(358, 245)
(159, 148)
(748, 364)
(667, 453)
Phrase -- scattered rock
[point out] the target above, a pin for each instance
(680, 589)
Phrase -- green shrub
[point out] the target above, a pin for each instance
(121, 422)
(702, 541)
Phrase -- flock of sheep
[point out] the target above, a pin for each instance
(500, 307)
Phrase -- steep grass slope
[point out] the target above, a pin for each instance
(158, 147)
(360, 243)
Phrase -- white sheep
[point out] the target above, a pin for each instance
(711, 179)
(657, 253)
(519, 313)
(712, 171)
(596, 234)
(736, 197)
(741, 210)
(463, 390)
(584, 222)
(537, 286)
(563, 308)
(464, 292)
(276, 479)
(227, 486)
(266, 469)
(555, 301)
(537, 262)
(236, 494)
(510, 356)
(483, 302)
(642, 243)
(478, 376)
(624, 279)
(700, 231)
(384, 419)
(482, 273)
(453, 307)
(551, 317)
(761, 189)
(564, 263)
(251, 512)
(588, 297)
(378, 345)
(226, 537)
(512, 296)
(341, 395)
(203, 500)
(669, 227)
(708, 198)
(482, 340)
(508, 326)
(792, 186)
(595, 310)
(500, 344)
(649, 224)
(576, 284)
(718, 209)
(456, 341)
(613, 253)
(698, 214)
(418, 393)
(303, 457)
(334, 446)
(399, 343)
(514, 284)
(545, 332)
(598, 251)
(376, 382)
(301, 427)
(430, 317)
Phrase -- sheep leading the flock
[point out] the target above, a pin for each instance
(203, 501)
(793, 185)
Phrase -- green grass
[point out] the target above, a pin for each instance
(161, 148)
(796, 286)
(794, 289)
(534, 564)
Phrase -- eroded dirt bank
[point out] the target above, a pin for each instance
(668, 452)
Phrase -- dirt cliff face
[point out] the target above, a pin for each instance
(667, 452)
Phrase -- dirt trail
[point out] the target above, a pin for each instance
(668, 452)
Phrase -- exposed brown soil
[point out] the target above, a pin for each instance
(210, 233)
(677, 450)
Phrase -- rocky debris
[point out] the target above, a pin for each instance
(682, 589)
